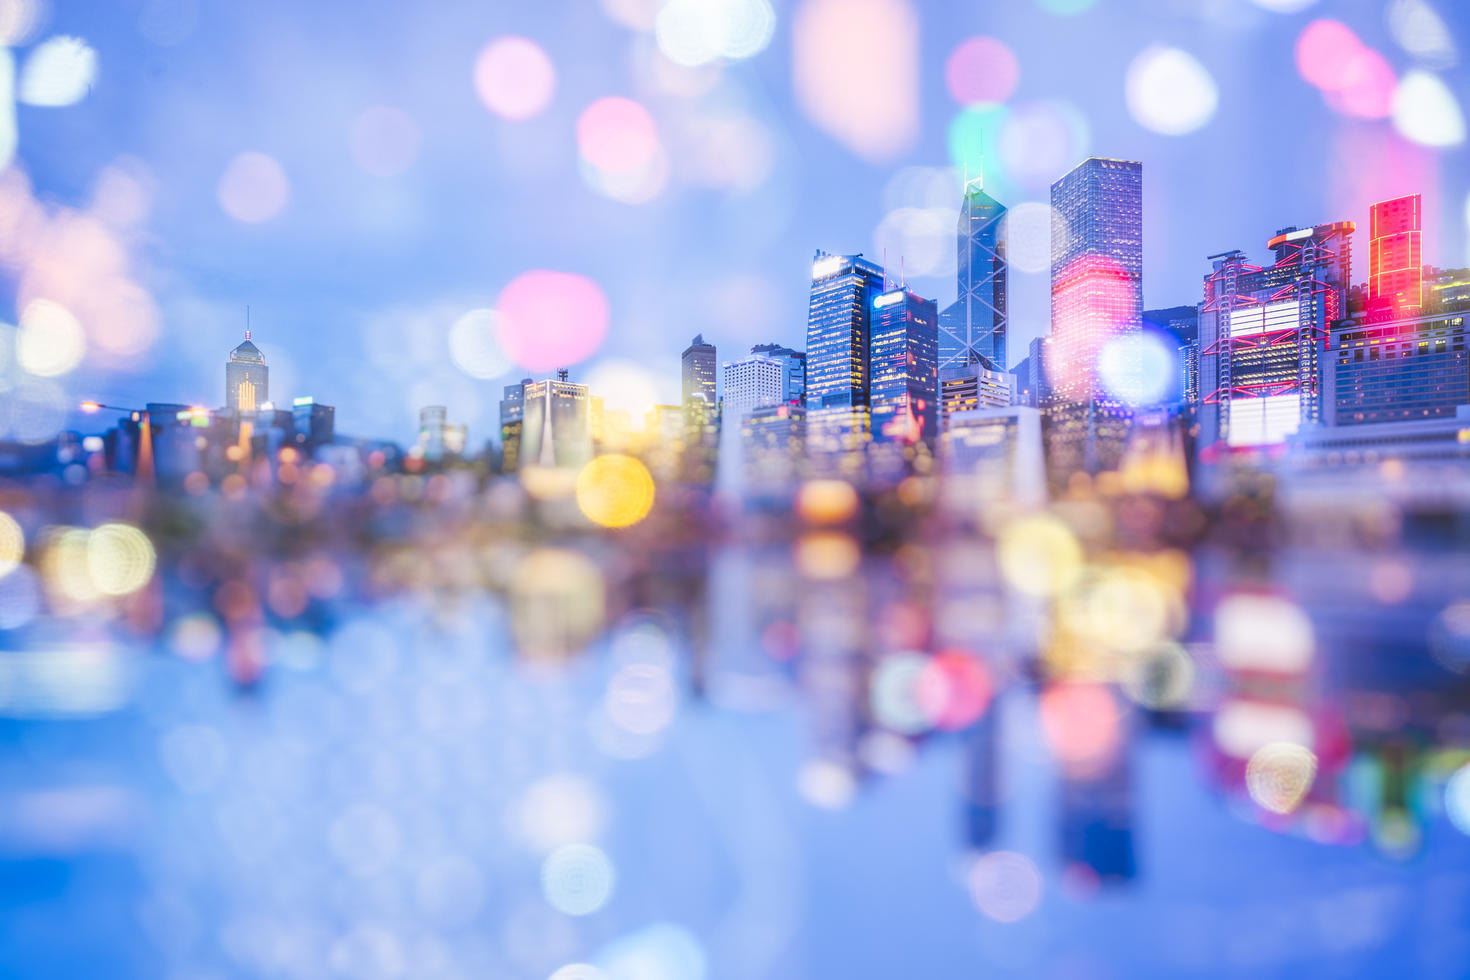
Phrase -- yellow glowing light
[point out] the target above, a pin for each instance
(827, 555)
(120, 559)
(615, 491)
(826, 501)
(1039, 555)
(12, 544)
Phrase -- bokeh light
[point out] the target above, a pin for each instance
(515, 78)
(1263, 632)
(892, 690)
(1426, 111)
(1039, 555)
(1140, 367)
(18, 18)
(1279, 775)
(1421, 32)
(981, 69)
(1169, 91)
(384, 141)
(826, 784)
(577, 879)
(1082, 724)
(620, 147)
(558, 810)
(253, 188)
(624, 386)
(640, 15)
(1005, 886)
(550, 319)
(120, 559)
(856, 72)
(1031, 227)
(59, 71)
(953, 690)
(1457, 798)
(826, 501)
(923, 238)
(1325, 53)
(474, 347)
(50, 341)
(615, 490)
(697, 32)
(1284, 6)
(974, 139)
(661, 951)
(1038, 140)
(12, 544)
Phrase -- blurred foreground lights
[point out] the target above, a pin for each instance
(558, 810)
(826, 501)
(557, 603)
(1082, 726)
(1279, 775)
(579, 971)
(1421, 32)
(1449, 637)
(1039, 555)
(826, 784)
(1427, 112)
(12, 544)
(1263, 633)
(195, 637)
(58, 72)
(550, 319)
(1005, 886)
(50, 341)
(20, 598)
(1457, 798)
(253, 188)
(1039, 140)
(17, 19)
(384, 141)
(1031, 227)
(577, 879)
(697, 32)
(615, 491)
(473, 346)
(661, 951)
(953, 690)
(515, 78)
(641, 699)
(827, 555)
(120, 558)
(1284, 6)
(981, 69)
(892, 691)
(1162, 680)
(620, 150)
(1169, 91)
(856, 72)
(1139, 367)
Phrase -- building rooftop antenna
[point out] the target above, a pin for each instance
(247, 321)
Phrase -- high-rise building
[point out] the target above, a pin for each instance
(556, 429)
(1096, 269)
(1261, 331)
(903, 386)
(1394, 371)
(753, 382)
(512, 416)
(976, 322)
(794, 362)
(838, 320)
(1395, 269)
(1447, 290)
(698, 363)
(313, 424)
(977, 385)
(247, 379)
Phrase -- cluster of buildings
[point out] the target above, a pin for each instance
(1289, 360)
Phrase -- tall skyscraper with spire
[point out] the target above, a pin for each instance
(247, 379)
(975, 324)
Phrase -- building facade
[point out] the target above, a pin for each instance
(753, 382)
(556, 425)
(838, 322)
(976, 323)
(1395, 371)
(247, 379)
(903, 387)
(1395, 258)
(977, 385)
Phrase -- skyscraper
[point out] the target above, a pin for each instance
(512, 416)
(753, 382)
(795, 364)
(975, 323)
(979, 385)
(699, 370)
(247, 379)
(1395, 262)
(903, 387)
(1096, 269)
(701, 411)
(1260, 334)
(555, 428)
(838, 317)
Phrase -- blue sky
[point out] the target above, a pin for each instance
(354, 284)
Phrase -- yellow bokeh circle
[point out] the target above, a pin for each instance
(615, 491)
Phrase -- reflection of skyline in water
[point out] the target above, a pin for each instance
(451, 750)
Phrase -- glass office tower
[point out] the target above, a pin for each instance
(903, 388)
(837, 330)
(975, 323)
(1395, 263)
(1096, 269)
(247, 379)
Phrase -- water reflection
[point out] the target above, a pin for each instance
(434, 731)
